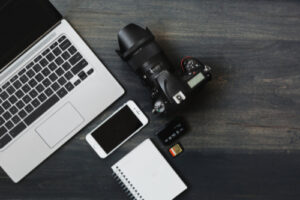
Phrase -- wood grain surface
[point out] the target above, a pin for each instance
(244, 141)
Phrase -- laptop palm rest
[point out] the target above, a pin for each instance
(52, 131)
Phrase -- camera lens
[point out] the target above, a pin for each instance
(131, 37)
(143, 54)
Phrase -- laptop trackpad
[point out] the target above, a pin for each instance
(59, 125)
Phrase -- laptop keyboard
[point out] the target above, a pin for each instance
(38, 86)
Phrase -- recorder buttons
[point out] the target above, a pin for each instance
(172, 131)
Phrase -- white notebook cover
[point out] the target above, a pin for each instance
(147, 174)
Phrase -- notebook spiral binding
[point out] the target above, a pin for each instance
(136, 195)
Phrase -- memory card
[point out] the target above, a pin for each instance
(176, 150)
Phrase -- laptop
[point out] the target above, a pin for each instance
(51, 84)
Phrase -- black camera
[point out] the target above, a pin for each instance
(170, 88)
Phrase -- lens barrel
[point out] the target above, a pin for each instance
(139, 49)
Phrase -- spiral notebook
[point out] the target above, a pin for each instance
(145, 174)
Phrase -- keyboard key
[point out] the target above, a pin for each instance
(39, 77)
(7, 115)
(29, 108)
(4, 141)
(77, 68)
(46, 72)
(17, 129)
(6, 105)
(33, 93)
(30, 73)
(32, 83)
(20, 104)
(1, 110)
(14, 78)
(13, 110)
(22, 72)
(9, 125)
(42, 97)
(62, 81)
(22, 114)
(17, 84)
(52, 66)
(35, 103)
(37, 59)
(6, 85)
(82, 75)
(59, 61)
(50, 57)
(57, 51)
(59, 71)
(68, 75)
(24, 79)
(77, 82)
(66, 55)
(41, 110)
(10, 90)
(46, 52)
(12, 99)
(1, 122)
(3, 130)
(66, 44)
(29, 65)
(46, 82)
(62, 38)
(26, 99)
(53, 45)
(49, 92)
(62, 92)
(4, 95)
(40, 88)
(90, 71)
(66, 66)
(72, 50)
(75, 58)
(19, 93)
(55, 86)
(53, 77)
(16, 119)
(37, 68)
(44, 62)
(69, 86)
(26, 88)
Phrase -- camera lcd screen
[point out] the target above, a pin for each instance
(196, 80)
(116, 129)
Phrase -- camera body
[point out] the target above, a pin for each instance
(170, 88)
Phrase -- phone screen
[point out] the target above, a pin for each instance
(116, 129)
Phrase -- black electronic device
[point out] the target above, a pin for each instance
(172, 131)
(169, 89)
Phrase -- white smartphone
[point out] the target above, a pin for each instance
(117, 129)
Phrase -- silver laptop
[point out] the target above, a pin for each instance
(51, 84)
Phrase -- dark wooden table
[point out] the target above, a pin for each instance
(245, 136)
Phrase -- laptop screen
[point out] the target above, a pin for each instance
(21, 23)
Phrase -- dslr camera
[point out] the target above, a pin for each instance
(170, 88)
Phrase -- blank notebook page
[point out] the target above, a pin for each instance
(147, 174)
